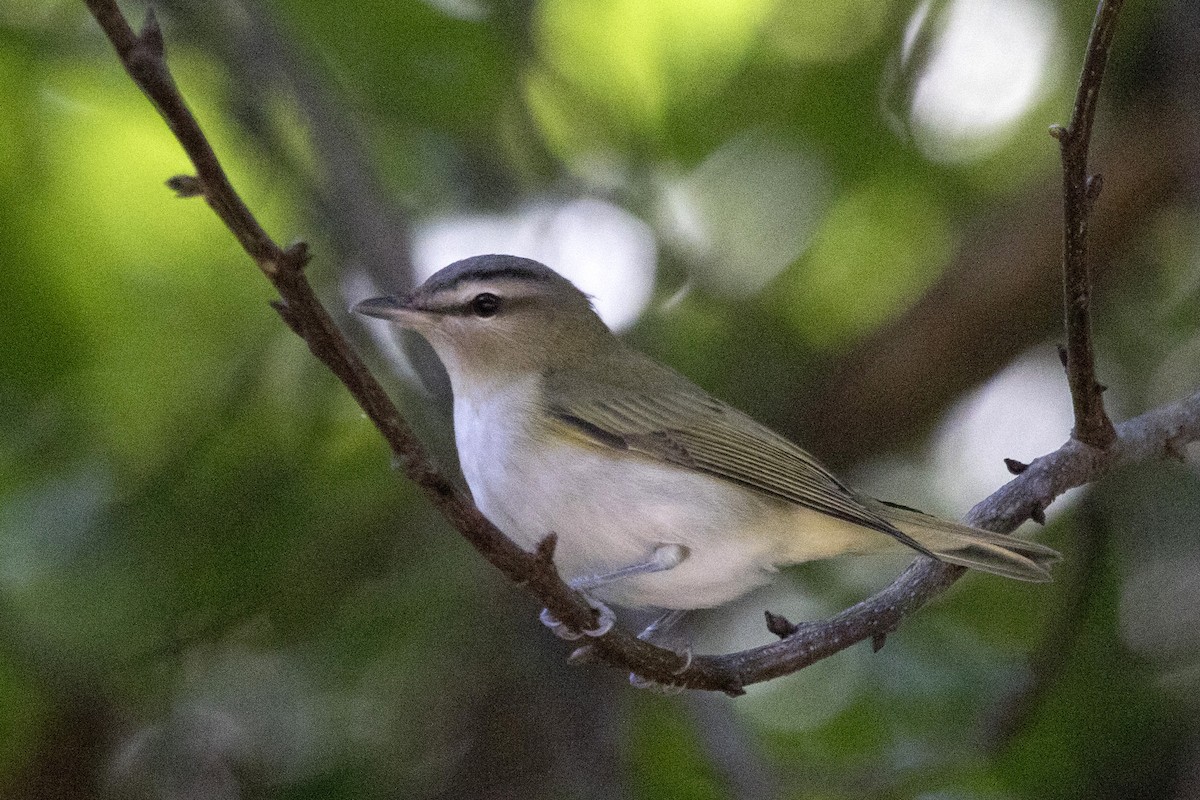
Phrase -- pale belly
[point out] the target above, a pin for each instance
(611, 510)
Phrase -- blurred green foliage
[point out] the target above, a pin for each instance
(212, 584)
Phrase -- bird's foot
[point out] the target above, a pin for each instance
(604, 623)
(638, 682)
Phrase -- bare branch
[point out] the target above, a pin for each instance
(1001, 295)
(1092, 425)
(1074, 464)
(1152, 435)
(143, 58)
(367, 228)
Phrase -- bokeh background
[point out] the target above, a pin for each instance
(841, 216)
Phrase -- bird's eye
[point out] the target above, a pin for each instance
(485, 305)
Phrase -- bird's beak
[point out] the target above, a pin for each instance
(393, 308)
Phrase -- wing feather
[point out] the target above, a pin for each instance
(697, 431)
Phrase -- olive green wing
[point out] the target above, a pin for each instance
(693, 430)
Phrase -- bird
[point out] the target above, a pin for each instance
(661, 496)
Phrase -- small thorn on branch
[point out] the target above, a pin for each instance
(186, 186)
(295, 257)
(1095, 185)
(878, 640)
(1015, 467)
(1062, 355)
(780, 625)
(1038, 515)
(544, 552)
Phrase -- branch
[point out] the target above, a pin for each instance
(1092, 425)
(1156, 434)
(1164, 431)
(253, 43)
(1001, 296)
(143, 57)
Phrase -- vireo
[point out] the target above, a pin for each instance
(660, 495)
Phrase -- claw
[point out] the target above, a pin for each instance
(637, 681)
(586, 654)
(605, 620)
(687, 655)
(604, 624)
(559, 629)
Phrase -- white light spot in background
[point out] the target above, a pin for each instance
(745, 213)
(469, 10)
(1023, 412)
(601, 248)
(985, 69)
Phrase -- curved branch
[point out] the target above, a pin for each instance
(1160, 432)
(1156, 434)
(1080, 190)
(143, 56)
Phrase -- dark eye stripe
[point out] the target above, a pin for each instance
(466, 309)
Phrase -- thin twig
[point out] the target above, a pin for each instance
(367, 227)
(142, 55)
(1074, 464)
(143, 58)
(1080, 190)
(1001, 295)
(1149, 436)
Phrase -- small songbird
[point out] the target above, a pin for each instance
(661, 496)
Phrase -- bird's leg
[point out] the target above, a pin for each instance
(666, 556)
(662, 625)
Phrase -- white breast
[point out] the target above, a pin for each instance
(611, 509)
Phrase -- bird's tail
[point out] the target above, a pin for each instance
(965, 546)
